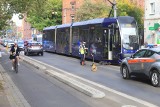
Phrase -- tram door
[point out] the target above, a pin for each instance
(108, 43)
(111, 43)
(106, 33)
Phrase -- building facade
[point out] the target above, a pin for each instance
(152, 22)
(69, 8)
(139, 3)
(26, 29)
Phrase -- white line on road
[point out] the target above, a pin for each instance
(101, 86)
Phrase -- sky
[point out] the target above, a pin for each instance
(16, 20)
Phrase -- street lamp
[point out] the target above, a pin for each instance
(54, 13)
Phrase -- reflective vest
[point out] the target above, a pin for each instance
(81, 49)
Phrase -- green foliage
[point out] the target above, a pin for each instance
(127, 8)
(91, 10)
(41, 14)
(5, 14)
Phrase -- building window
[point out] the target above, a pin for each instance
(152, 8)
(73, 5)
(72, 18)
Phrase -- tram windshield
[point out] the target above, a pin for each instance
(129, 34)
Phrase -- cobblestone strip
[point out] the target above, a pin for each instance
(13, 94)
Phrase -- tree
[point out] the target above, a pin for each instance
(90, 10)
(41, 14)
(9, 7)
(5, 14)
(128, 8)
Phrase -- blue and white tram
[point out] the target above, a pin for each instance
(110, 39)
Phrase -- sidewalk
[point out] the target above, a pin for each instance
(3, 97)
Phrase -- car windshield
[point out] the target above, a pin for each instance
(35, 44)
(21, 43)
(10, 42)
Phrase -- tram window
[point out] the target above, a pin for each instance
(75, 35)
(96, 34)
(133, 39)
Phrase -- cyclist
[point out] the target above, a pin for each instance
(14, 53)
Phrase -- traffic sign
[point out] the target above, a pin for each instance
(151, 28)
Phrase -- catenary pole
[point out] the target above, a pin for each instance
(115, 8)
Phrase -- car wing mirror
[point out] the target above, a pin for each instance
(132, 56)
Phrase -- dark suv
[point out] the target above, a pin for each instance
(33, 47)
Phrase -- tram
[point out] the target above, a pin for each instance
(110, 39)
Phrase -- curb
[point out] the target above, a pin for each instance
(92, 92)
(87, 90)
(35, 64)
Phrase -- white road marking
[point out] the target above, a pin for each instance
(101, 86)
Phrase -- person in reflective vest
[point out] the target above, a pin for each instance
(82, 51)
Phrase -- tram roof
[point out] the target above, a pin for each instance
(64, 25)
(108, 21)
(104, 21)
(88, 22)
(49, 28)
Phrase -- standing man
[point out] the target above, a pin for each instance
(82, 51)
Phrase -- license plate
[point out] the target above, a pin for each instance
(35, 47)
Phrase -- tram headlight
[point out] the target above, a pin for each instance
(124, 50)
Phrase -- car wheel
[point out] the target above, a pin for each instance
(27, 53)
(125, 72)
(24, 53)
(155, 78)
(38, 53)
(42, 54)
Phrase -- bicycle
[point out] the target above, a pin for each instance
(15, 64)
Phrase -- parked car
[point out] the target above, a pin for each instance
(145, 62)
(33, 47)
(10, 43)
(5, 43)
(21, 45)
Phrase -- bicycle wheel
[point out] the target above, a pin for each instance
(16, 65)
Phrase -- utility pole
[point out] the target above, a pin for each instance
(115, 8)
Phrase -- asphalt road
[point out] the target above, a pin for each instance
(106, 75)
(41, 90)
